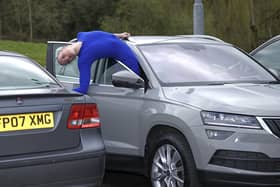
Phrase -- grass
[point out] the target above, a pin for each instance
(35, 51)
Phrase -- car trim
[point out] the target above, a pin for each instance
(58, 42)
(232, 125)
(264, 125)
(62, 156)
(265, 44)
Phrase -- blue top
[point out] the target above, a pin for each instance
(99, 44)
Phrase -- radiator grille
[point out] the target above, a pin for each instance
(252, 161)
(274, 126)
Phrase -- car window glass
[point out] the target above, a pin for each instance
(110, 66)
(70, 69)
(269, 56)
(21, 73)
(69, 72)
(182, 63)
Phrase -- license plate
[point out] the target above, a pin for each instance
(29, 121)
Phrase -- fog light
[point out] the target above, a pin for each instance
(217, 134)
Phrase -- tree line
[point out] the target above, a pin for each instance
(246, 23)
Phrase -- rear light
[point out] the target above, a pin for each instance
(83, 116)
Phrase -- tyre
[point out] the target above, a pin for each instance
(170, 161)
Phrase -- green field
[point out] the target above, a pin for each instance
(36, 51)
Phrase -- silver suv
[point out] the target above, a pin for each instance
(202, 109)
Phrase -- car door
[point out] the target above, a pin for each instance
(119, 108)
(268, 54)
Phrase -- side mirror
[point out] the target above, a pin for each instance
(127, 79)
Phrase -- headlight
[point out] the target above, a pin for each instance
(229, 120)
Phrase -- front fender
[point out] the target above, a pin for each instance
(184, 119)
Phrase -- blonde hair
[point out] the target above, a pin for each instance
(58, 51)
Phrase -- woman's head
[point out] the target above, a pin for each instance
(66, 55)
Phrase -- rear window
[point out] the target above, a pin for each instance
(22, 73)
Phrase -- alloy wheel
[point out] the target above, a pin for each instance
(167, 167)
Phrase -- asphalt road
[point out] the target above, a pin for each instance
(118, 179)
(114, 179)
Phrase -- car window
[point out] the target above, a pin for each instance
(69, 72)
(190, 63)
(270, 55)
(107, 68)
(22, 73)
(70, 69)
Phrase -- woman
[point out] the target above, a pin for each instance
(94, 45)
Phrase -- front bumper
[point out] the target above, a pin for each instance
(247, 157)
(241, 179)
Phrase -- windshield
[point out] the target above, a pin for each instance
(183, 63)
(21, 73)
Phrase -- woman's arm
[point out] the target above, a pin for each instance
(85, 70)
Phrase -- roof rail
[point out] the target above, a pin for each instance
(202, 37)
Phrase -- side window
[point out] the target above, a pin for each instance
(269, 56)
(107, 69)
(69, 72)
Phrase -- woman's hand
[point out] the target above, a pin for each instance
(123, 35)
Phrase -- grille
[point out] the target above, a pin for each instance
(252, 161)
(274, 126)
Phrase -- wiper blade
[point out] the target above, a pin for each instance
(266, 82)
(216, 83)
(273, 82)
(247, 82)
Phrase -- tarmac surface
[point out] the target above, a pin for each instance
(121, 179)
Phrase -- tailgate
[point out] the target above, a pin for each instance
(36, 124)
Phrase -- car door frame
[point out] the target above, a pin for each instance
(264, 45)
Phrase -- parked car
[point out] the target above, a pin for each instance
(268, 54)
(49, 136)
(202, 109)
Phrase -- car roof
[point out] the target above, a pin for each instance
(152, 39)
(10, 53)
(139, 40)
